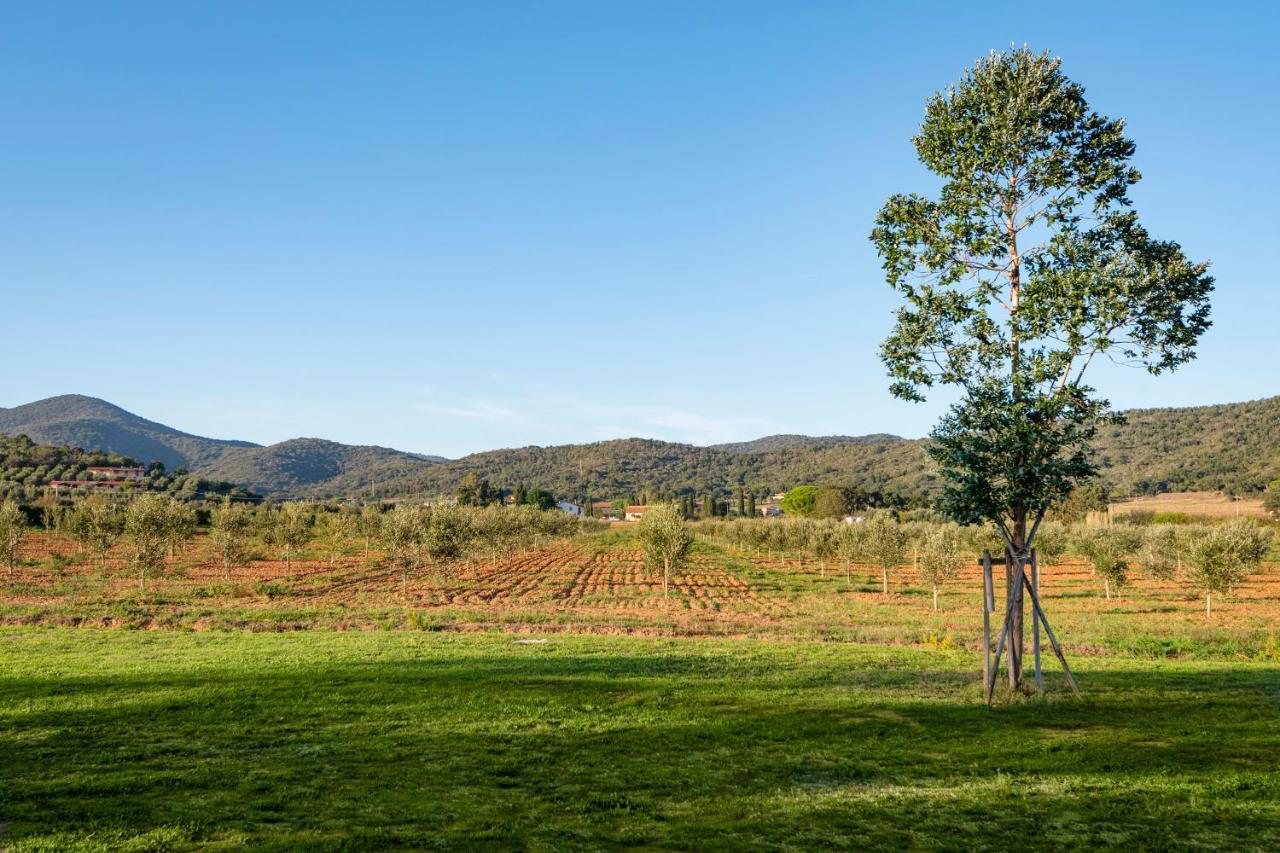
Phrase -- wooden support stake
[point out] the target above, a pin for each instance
(995, 666)
(987, 595)
(990, 585)
(1035, 620)
(1053, 641)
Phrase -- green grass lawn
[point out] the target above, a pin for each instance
(329, 740)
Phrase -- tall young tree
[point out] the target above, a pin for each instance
(1028, 266)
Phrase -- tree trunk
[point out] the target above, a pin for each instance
(1013, 589)
(1208, 604)
(1018, 531)
(1106, 584)
(884, 581)
(666, 570)
(935, 598)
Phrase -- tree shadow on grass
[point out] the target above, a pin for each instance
(683, 749)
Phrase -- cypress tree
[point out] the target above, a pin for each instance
(751, 504)
(742, 503)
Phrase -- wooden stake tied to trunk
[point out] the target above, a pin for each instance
(1013, 608)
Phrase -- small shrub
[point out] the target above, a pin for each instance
(269, 590)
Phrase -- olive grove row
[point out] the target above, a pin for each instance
(152, 528)
(1210, 558)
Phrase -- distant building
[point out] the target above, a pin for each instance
(768, 510)
(853, 519)
(634, 513)
(571, 508)
(114, 472)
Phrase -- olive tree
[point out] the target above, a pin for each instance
(146, 529)
(1109, 550)
(1219, 559)
(402, 534)
(179, 524)
(369, 525)
(1052, 541)
(448, 532)
(13, 529)
(231, 525)
(1159, 553)
(334, 529)
(665, 540)
(96, 526)
(941, 552)
(886, 545)
(821, 543)
(1028, 266)
(288, 528)
(851, 546)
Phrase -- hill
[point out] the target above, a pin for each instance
(632, 465)
(802, 442)
(1229, 447)
(302, 466)
(74, 420)
(317, 468)
(1233, 447)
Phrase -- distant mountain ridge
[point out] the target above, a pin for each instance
(75, 420)
(792, 442)
(296, 466)
(1233, 447)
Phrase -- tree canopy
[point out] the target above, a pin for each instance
(1028, 265)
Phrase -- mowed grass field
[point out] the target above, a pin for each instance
(329, 740)
(552, 700)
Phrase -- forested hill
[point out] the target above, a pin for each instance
(298, 466)
(74, 420)
(316, 466)
(624, 466)
(1233, 447)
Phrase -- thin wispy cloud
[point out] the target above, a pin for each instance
(475, 411)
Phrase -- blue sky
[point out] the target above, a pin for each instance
(453, 227)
